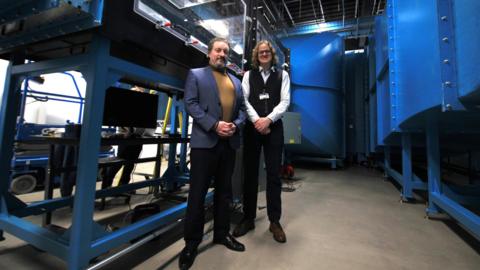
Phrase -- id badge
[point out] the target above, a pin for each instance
(263, 96)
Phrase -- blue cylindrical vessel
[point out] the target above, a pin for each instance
(317, 93)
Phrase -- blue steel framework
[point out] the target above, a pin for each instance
(32, 163)
(85, 239)
(442, 197)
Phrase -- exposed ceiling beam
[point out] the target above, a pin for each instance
(288, 12)
(298, 12)
(269, 11)
(321, 9)
(356, 9)
(314, 12)
(378, 7)
(300, 9)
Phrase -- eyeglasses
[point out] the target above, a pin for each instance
(264, 52)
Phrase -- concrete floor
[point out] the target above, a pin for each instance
(345, 219)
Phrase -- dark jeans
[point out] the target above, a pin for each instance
(272, 144)
(216, 162)
(127, 152)
(65, 156)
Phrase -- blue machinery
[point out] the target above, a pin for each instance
(427, 88)
(317, 93)
(96, 39)
(85, 241)
(423, 92)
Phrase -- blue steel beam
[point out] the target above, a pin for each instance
(417, 184)
(52, 204)
(141, 227)
(50, 66)
(9, 108)
(468, 219)
(118, 67)
(407, 176)
(35, 235)
(95, 74)
(387, 158)
(433, 161)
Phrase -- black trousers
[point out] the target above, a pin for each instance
(129, 153)
(65, 156)
(272, 144)
(205, 163)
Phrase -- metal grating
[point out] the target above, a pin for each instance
(291, 13)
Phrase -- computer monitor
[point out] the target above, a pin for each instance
(127, 108)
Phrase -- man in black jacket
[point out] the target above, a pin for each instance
(267, 96)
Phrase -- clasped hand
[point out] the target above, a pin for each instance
(225, 129)
(262, 125)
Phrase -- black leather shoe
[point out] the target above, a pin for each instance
(243, 227)
(230, 242)
(187, 257)
(278, 233)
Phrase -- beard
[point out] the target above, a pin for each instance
(219, 64)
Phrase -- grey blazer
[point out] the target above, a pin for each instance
(202, 102)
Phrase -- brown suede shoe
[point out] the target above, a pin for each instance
(278, 233)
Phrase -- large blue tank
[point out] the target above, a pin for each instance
(317, 93)
(433, 64)
(428, 94)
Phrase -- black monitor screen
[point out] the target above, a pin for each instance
(127, 108)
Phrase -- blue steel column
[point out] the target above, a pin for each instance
(433, 155)
(407, 176)
(9, 106)
(82, 222)
(387, 160)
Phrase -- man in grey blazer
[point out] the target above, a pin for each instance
(214, 99)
